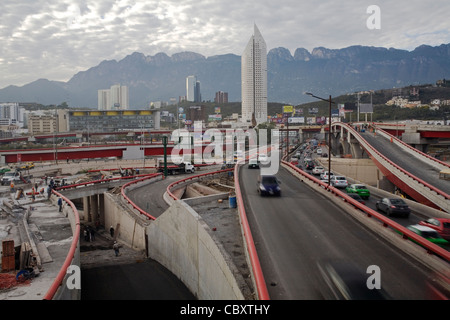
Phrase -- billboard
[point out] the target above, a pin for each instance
(215, 117)
(288, 109)
(311, 120)
(313, 110)
(366, 108)
(296, 120)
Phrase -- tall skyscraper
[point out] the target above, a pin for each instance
(193, 93)
(190, 88)
(254, 80)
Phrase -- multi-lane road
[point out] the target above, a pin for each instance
(303, 229)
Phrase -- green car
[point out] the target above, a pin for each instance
(4, 169)
(359, 189)
(429, 234)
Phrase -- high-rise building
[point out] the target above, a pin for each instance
(221, 97)
(254, 80)
(115, 98)
(190, 88)
(193, 93)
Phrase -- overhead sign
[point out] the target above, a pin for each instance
(296, 120)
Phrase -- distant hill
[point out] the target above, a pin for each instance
(322, 71)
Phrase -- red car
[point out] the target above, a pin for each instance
(441, 225)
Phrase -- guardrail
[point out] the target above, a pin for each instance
(371, 150)
(253, 256)
(122, 191)
(261, 286)
(173, 184)
(414, 150)
(58, 282)
(386, 222)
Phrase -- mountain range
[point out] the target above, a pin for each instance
(322, 71)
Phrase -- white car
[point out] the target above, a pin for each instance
(324, 175)
(318, 170)
(263, 158)
(319, 151)
(339, 182)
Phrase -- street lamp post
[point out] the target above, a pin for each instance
(329, 131)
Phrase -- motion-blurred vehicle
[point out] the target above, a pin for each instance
(268, 185)
(318, 170)
(429, 234)
(339, 182)
(342, 280)
(441, 225)
(393, 206)
(360, 189)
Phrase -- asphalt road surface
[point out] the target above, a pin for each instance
(302, 228)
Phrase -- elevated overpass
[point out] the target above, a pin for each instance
(410, 170)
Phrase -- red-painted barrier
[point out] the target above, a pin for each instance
(412, 148)
(70, 256)
(386, 222)
(429, 186)
(131, 202)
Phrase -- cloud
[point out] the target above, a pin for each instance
(54, 39)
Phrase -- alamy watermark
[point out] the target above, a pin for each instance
(373, 22)
(214, 146)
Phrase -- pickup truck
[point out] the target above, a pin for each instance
(10, 176)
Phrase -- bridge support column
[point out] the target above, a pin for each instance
(92, 216)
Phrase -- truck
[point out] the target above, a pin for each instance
(176, 168)
(10, 176)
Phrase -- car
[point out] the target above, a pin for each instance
(253, 163)
(263, 158)
(343, 280)
(339, 182)
(324, 175)
(441, 225)
(268, 185)
(27, 166)
(309, 165)
(319, 151)
(324, 155)
(360, 189)
(392, 206)
(3, 170)
(318, 170)
(429, 234)
(357, 197)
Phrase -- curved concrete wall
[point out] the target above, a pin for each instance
(181, 241)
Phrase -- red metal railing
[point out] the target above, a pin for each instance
(386, 222)
(411, 148)
(70, 256)
(131, 202)
(260, 283)
(429, 186)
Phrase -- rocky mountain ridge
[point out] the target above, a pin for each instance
(322, 71)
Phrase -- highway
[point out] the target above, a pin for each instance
(404, 160)
(302, 228)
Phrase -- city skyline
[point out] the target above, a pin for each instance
(56, 39)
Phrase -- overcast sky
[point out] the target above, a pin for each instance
(55, 39)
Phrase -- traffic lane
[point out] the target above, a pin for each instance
(147, 280)
(302, 227)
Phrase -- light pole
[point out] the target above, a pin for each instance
(329, 131)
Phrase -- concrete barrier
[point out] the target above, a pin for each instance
(182, 242)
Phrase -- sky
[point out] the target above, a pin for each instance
(55, 39)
